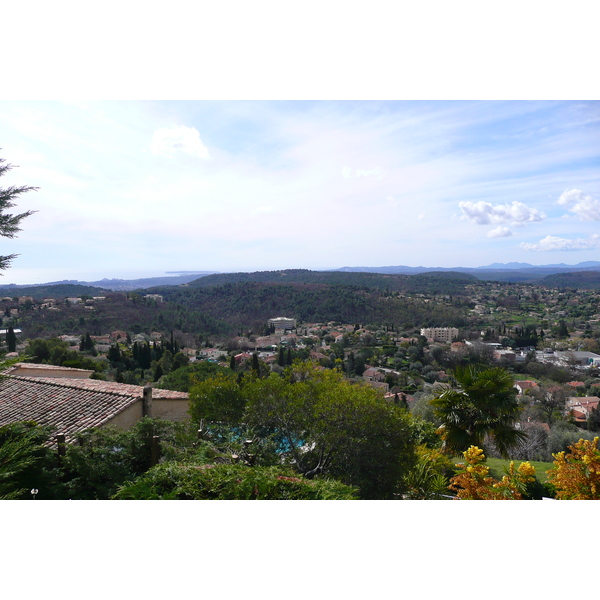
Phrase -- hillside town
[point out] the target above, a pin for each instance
(547, 338)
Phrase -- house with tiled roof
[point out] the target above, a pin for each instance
(580, 407)
(40, 370)
(373, 374)
(242, 357)
(524, 385)
(73, 405)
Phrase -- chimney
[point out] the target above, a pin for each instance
(147, 402)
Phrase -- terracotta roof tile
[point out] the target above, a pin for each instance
(70, 405)
(43, 367)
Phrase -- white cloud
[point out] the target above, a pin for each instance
(178, 139)
(500, 231)
(551, 243)
(484, 213)
(421, 216)
(582, 205)
(377, 172)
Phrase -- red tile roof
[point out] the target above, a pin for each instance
(526, 384)
(44, 367)
(69, 405)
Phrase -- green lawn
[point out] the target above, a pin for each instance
(497, 466)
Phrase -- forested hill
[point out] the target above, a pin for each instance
(59, 290)
(443, 282)
(226, 310)
(584, 280)
(243, 305)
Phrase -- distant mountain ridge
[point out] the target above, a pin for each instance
(121, 285)
(513, 272)
(505, 272)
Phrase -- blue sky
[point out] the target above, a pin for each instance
(138, 188)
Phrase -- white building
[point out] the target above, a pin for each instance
(283, 323)
(440, 334)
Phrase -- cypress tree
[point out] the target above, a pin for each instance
(404, 401)
(114, 354)
(145, 357)
(11, 339)
(89, 342)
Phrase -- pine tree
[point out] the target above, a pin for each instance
(9, 224)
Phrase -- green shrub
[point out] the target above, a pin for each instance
(176, 481)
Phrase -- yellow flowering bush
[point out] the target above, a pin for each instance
(474, 483)
(576, 474)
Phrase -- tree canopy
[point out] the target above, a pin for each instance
(320, 423)
(483, 404)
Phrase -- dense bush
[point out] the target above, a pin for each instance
(25, 462)
(563, 434)
(174, 481)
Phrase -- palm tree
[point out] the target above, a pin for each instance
(484, 403)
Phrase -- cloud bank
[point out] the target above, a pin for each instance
(168, 142)
(552, 244)
(484, 213)
(499, 231)
(581, 205)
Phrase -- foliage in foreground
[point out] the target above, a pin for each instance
(428, 480)
(576, 474)
(104, 458)
(176, 481)
(22, 459)
(484, 404)
(322, 425)
(474, 483)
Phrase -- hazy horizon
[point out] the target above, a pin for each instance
(134, 275)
